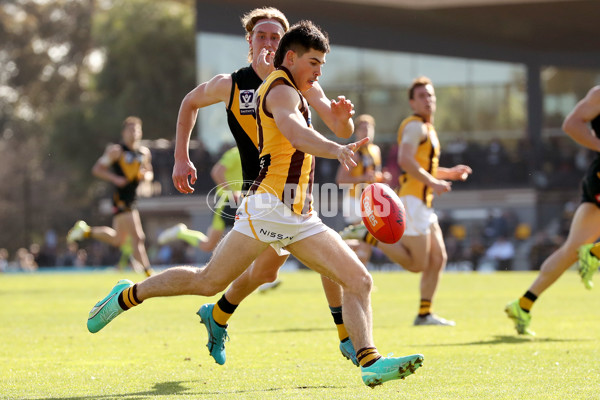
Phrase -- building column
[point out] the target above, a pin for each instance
(535, 113)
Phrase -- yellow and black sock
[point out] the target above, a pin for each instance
(367, 356)
(526, 302)
(128, 298)
(222, 311)
(336, 313)
(370, 239)
(424, 308)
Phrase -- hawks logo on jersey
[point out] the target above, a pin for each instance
(247, 102)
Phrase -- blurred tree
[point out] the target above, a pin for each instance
(150, 64)
(43, 48)
(70, 71)
(145, 69)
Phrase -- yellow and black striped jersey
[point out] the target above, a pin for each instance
(127, 165)
(285, 172)
(369, 159)
(427, 156)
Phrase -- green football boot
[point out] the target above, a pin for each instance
(357, 231)
(347, 349)
(587, 265)
(520, 317)
(77, 232)
(389, 368)
(108, 308)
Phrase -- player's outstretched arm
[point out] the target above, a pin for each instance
(101, 168)
(211, 92)
(283, 101)
(576, 125)
(412, 135)
(459, 172)
(146, 171)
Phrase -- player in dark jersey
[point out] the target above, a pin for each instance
(124, 165)
(264, 28)
(583, 126)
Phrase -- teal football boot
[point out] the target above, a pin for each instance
(347, 349)
(216, 334)
(108, 308)
(390, 368)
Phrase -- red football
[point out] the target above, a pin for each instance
(382, 213)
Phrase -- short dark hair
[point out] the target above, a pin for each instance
(418, 82)
(301, 37)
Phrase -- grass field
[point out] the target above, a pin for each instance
(284, 344)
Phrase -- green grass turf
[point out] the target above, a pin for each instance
(284, 344)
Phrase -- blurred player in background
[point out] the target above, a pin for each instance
(125, 165)
(367, 171)
(264, 28)
(583, 126)
(422, 247)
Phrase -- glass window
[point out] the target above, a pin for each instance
(480, 104)
(562, 160)
(217, 54)
(563, 88)
(477, 99)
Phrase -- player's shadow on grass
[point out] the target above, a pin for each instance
(507, 339)
(177, 389)
(298, 329)
(159, 389)
(266, 390)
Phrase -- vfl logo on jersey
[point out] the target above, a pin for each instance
(247, 102)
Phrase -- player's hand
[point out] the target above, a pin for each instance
(440, 187)
(181, 171)
(461, 172)
(342, 108)
(370, 176)
(264, 63)
(119, 181)
(237, 197)
(385, 177)
(345, 153)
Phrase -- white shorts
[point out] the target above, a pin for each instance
(351, 210)
(419, 217)
(264, 217)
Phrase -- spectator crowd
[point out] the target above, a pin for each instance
(495, 243)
